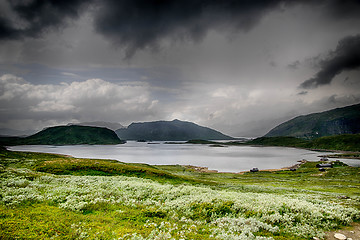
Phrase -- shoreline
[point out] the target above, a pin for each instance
(207, 170)
(203, 169)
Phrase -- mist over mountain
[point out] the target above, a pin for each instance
(110, 125)
(337, 121)
(15, 132)
(175, 130)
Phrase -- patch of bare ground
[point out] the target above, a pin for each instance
(201, 169)
(351, 232)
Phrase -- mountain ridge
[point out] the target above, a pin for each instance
(175, 130)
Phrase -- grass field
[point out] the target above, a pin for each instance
(47, 196)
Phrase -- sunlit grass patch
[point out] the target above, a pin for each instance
(39, 221)
(91, 167)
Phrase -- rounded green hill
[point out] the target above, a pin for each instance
(72, 135)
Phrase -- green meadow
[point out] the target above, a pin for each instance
(48, 196)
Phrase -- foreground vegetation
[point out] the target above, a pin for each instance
(47, 196)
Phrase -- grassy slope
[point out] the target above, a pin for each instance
(333, 122)
(340, 179)
(45, 219)
(346, 142)
(64, 165)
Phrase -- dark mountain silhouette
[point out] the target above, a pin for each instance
(69, 135)
(175, 130)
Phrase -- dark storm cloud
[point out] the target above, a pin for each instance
(294, 65)
(342, 9)
(141, 24)
(303, 93)
(33, 18)
(7, 31)
(345, 57)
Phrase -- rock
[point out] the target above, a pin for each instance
(340, 236)
(316, 238)
(349, 239)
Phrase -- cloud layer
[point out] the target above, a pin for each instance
(93, 99)
(137, 24)
(345, 57)
(33, 18)
(234, 65)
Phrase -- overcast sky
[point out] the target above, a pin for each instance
(238, 66)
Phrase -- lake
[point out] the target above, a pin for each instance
(223, 159)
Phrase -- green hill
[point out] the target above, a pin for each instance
(344, 120)
(278, 141)
(169, 131)
(69, 135)
(345, 142)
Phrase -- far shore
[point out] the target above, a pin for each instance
(338, 154)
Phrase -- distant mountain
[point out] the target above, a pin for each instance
(109, 125)
(70, 135)
(344, 120)
(169, 131)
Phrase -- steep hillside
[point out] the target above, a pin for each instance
(344, 120)
(69, 135)
(169, 131)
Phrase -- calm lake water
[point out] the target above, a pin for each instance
(223, 159)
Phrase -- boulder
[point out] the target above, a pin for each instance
(324, 165)
(340, 236)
